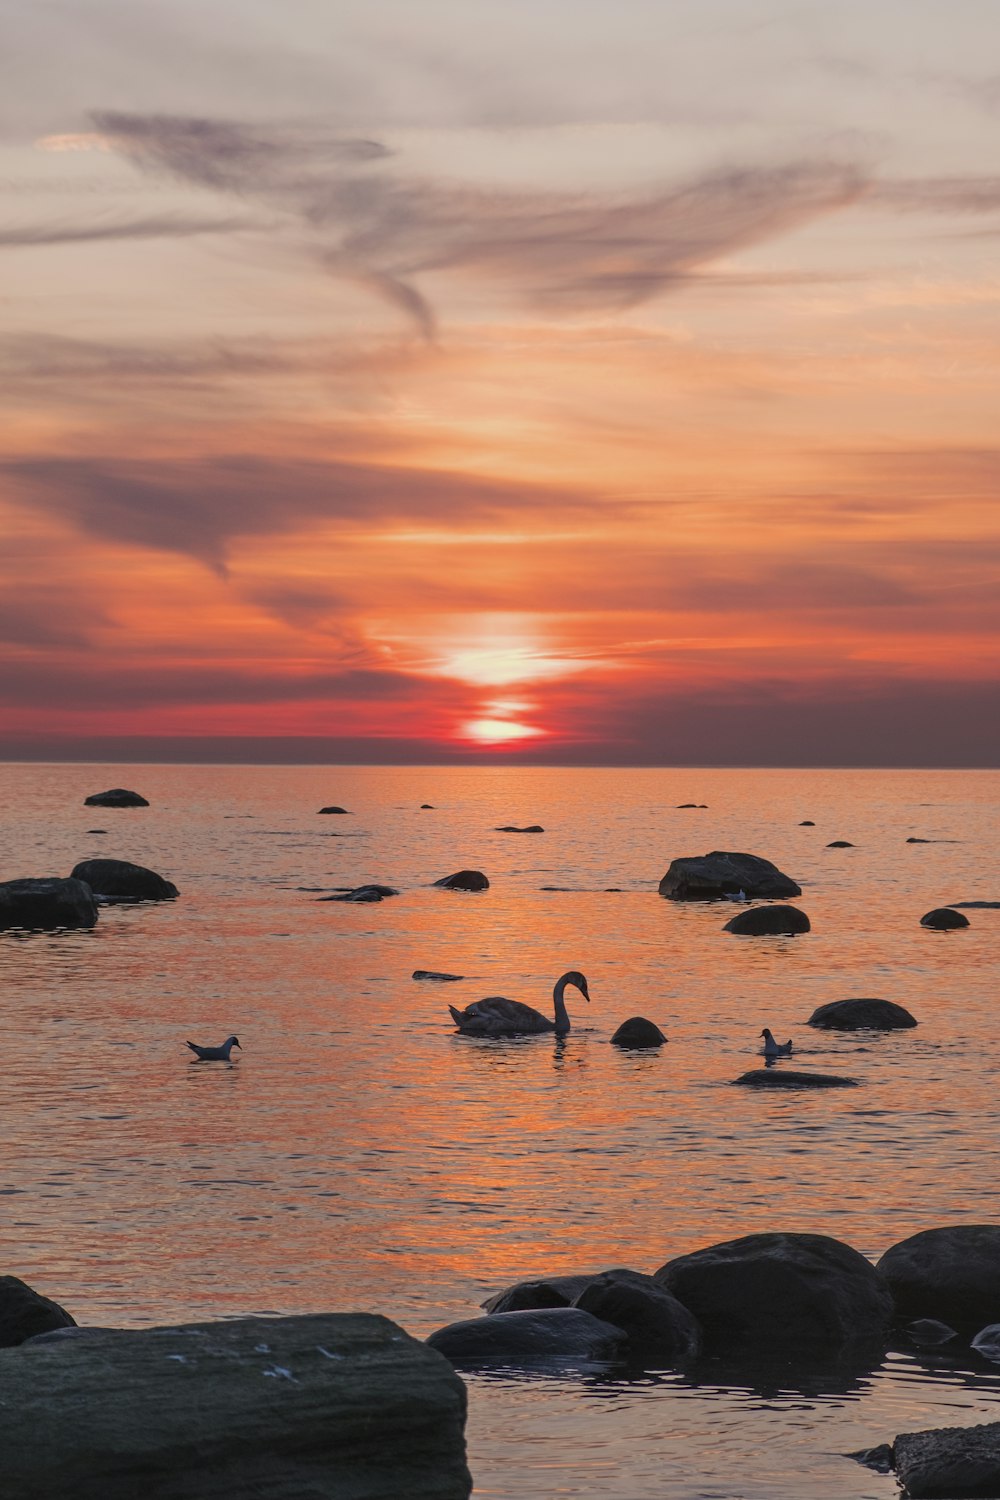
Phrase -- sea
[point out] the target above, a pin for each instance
(359, 1155)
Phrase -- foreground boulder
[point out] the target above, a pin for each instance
(546, 1336)
(788, 1078)
(118, 880)
(464, 880)
(24, 1313)
(768, 921)
(709, 877)
(333, 1407)
(952, 1274)
(658, 1326)
(780, 1288)
(862, 1015)
(46, 904)
(942, 919)
(949, 1461)
(638, 1032)
(117, 797)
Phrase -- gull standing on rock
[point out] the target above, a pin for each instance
(214, 1054)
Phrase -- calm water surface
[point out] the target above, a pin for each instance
(362, 1156)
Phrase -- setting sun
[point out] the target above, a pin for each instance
(498, 731)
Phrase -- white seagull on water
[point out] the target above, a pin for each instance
(215, 1054)
(773, 1048)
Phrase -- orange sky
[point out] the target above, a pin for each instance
(545, 387)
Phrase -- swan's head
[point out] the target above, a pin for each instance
(579, 980)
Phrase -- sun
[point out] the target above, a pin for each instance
(498, 731)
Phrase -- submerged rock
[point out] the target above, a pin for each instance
(768, 921)
(638, 1032)
(943, 919)
(881, 1458)
(807, 823)
(331, 1406)
(47, 903)
(510, 828)
(553, 1335)
(118, 796)
(658, 1326)
(952, 1273)
(840, 844)
(363, 893)
(786, 1078)
(118, 880)
(24, 1313)
(862, 1015)
(951, 1461)
(709, 877)
(435, 976)
(780, 1288)
(342, 810)
(464, 880)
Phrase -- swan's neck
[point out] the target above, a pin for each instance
(562, 1016)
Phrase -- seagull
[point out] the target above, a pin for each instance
(215, 1054)
(773, 1048)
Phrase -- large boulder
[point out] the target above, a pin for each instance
(780, 1288)
(25, 1313)
(951, 1273)
(118, 796)
(47, 903)
(952, 1461)
(768, 921)
(334, 1407)
(464, 880)
(118, 880)
(638, 1032)
(658, 1326)
(709, 877)
(862, 1015)
(943, 919)
(546, 1336)
(789, 1078)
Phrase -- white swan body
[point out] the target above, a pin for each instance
(773, 1048)
(215, 1054)
(497, 1016)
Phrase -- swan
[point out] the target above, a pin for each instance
(773, 1048)
(496, 1016)
(215, 1054)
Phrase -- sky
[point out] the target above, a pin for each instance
(573, 381)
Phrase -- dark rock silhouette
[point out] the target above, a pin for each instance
(433, 974)
(546, 1336)
(840, 844)
(768, 921)
(47, 903)
(786, 1078)
(951, 1274)
(118, 880)
(546, 1291)
(510, 828)
(658, 1326)
(330, 1405)
(807, 823)
(638, 1032)
(360, 894)
(682, 805)
(464, 880)
(342, 810)
(943, 919)
(952, 1461)
(427, 807)
(117, 797)
(25, 1313)
(862, 1015)
(709, 877)
(780, 1288)
(920, 841)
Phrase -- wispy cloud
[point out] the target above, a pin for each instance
(365, 218)
(117, 227)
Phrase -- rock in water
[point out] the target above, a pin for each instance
(342, 810)
(862, 1015)
(807, 823)
(786, 1078)
(784, 1288)
(510, 828)
(951, 1461)
(24, 1313)
(951, 1273)
(545, 1336)
(361, 894)
(638, 1032)
(333, 1407)
(543, 1291)
(464, 880)
(436, 976)
(47, 903)
(840, 844)
(118, 880)
(658, 1326)
(117, 797)
(768, 921)
(943, 919)
(709, 877)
